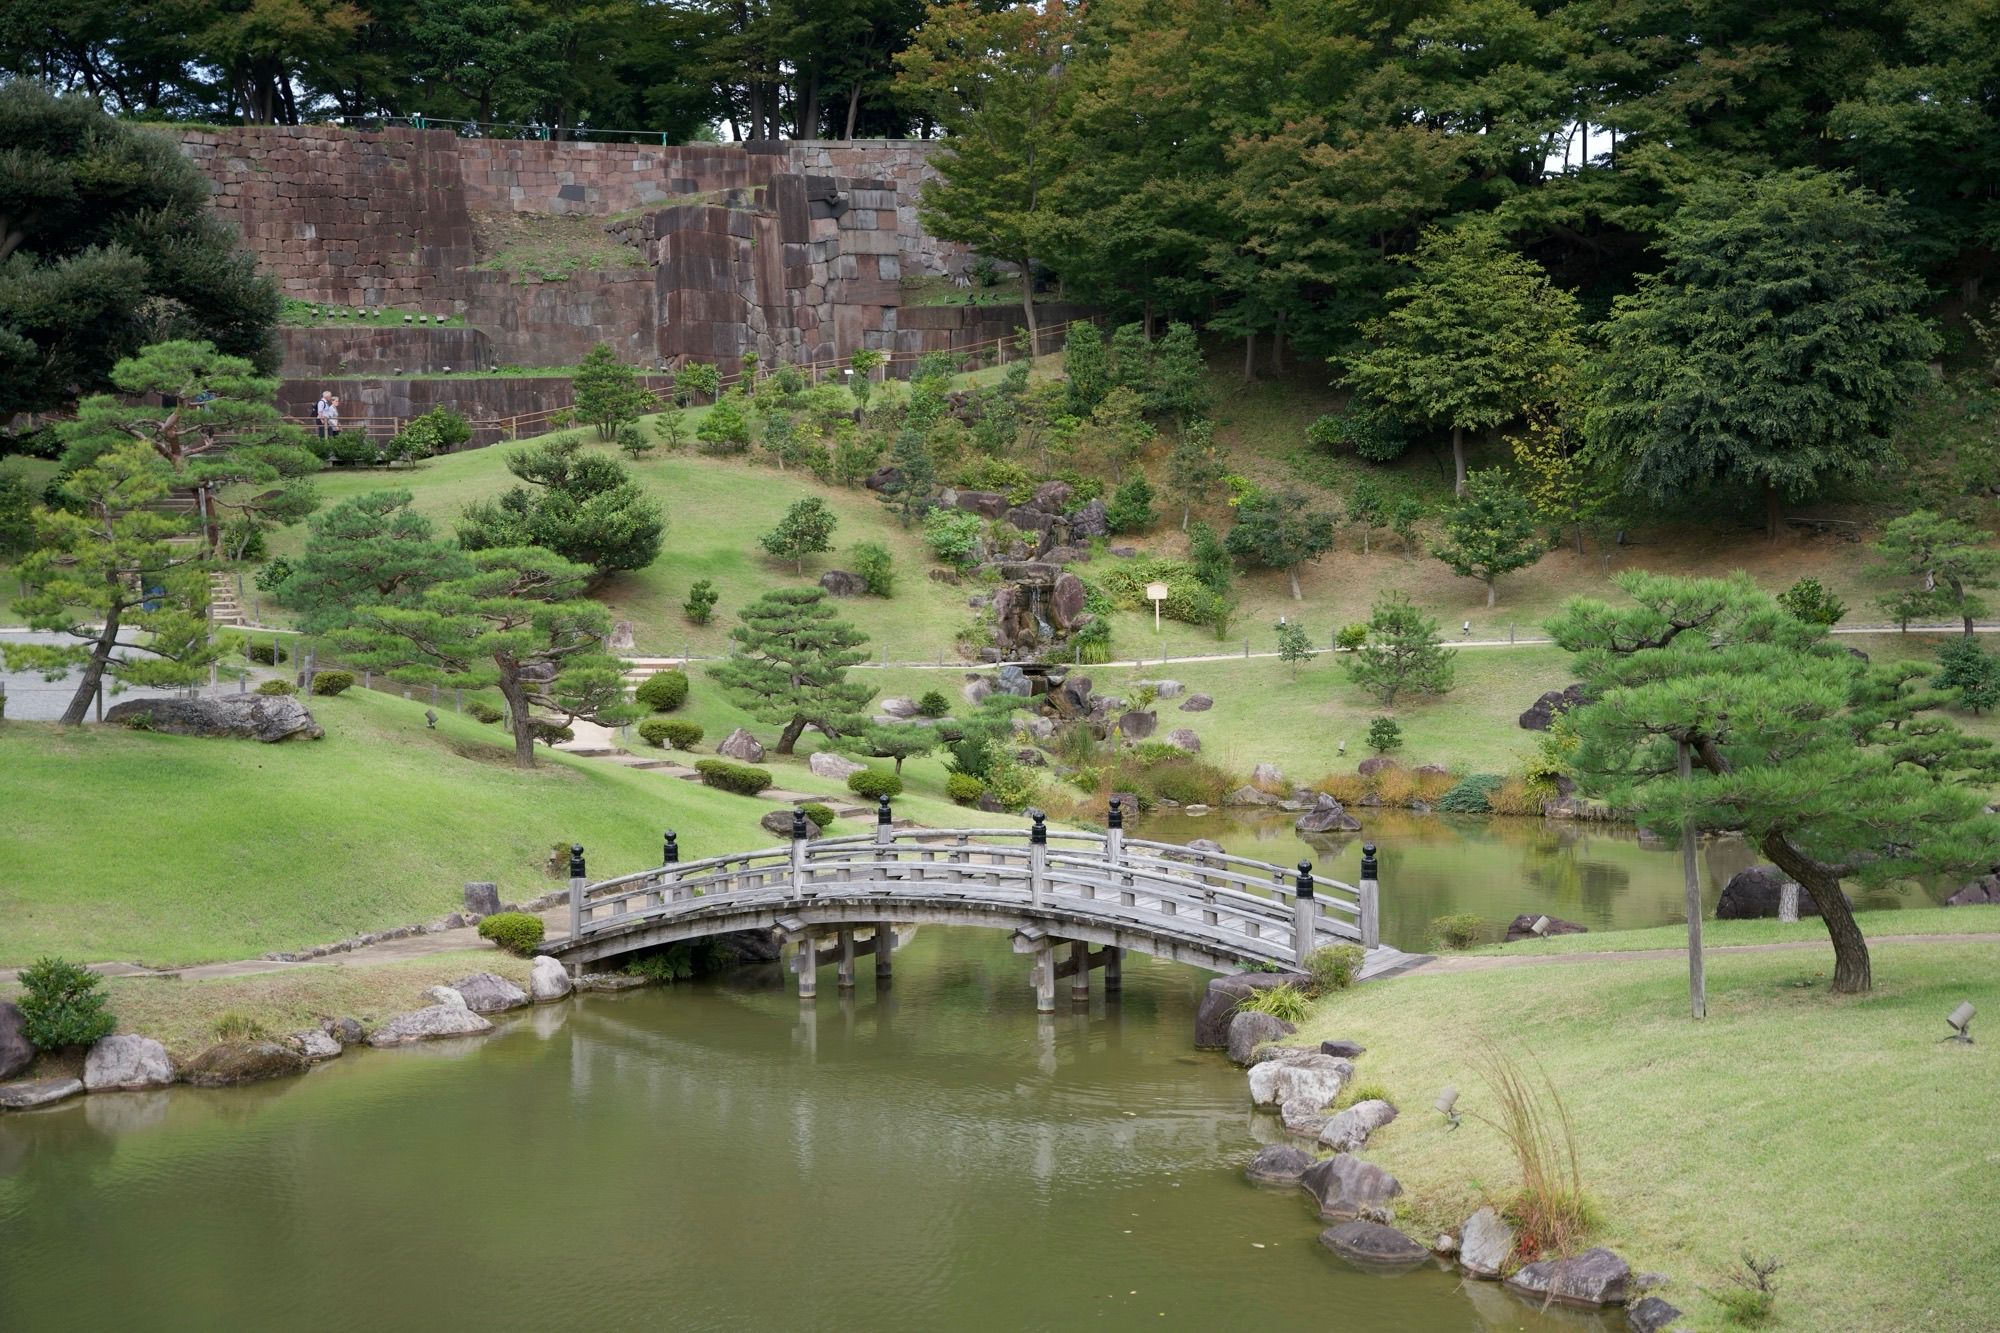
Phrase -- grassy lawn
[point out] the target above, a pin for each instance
(1907, 921)
(1836, 1135)
(177, 850)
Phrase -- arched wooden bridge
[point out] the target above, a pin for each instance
(1096, 893)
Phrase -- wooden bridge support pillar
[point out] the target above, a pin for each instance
(1045, 977)
(1079, 977)
(805, 961)
(844, 977)
(1114, 969)
(885, 945)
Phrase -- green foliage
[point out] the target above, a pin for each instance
(369, 548)
(330, 683)
(1490, 531)
(1178, 385)
(1189, 600)
(1458, 930)
(584, 507)
(233, 1026)
(916, 475)
(789, 666)
(953, 535)
(1086, 369)
(874, 784)
(549, 731)
(279, 689)
(1165, 773)
(63, 1004)
(1404, 654)
(1752, 1299)
(1471, 795)
(1350, 637)
(438, 431)
(1365, 428)
(662, 692)
(806, 529)
(17, 513)
(855, 455)
(1195, 468)
(633, 441)
(271, 575)
(1131, 507)
(999, 474)
(608, 392)
(1808, 600)
(481, 711)
(817, 814)
(899, 741)
(1385, 735)
(669, 428)
(661, 732)
(1280, 530)
(1332, 967)
(872, 563)
(933, 704)
(700, 603)
(963, 788)
(1405, 512)
(519, 933)
(725, 775)
(1965, 666)
(698, 380)
(1294, 644)
(1950, 561)
(726, 428)
(243, 539)
(1287, 1003)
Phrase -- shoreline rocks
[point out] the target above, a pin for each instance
(1487, 1243)
(485, 993)
(1278, 1164)
(1249, 1029)
(1348, 1130)
(429, 1024)
(1373, 1245)
(547, 980)
(38, 1092)
(1223, 995)
(122, 1062)
(1326, 816)
(16, 1051)
(1344, 1185)
(1595, 1277)
(232, 1063)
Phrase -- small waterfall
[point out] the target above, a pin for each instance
(1044, 631)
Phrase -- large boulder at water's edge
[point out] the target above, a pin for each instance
(426, 1024)
(1249, 796)
(257, 717)
(1326, 816)
(1373, 1244)
(314, 1044)
(37, 1092)
(1595, 1277)
(1219, 1001)
(1250, 1028)
(16, 1051)
(126, 1061)
(1547, 708)
(741, 746)
(1279, 1164)
(1344, 1184)
(547, 980)
(1349, 1130)
(485, 993)
(1651, 1315)
(1487, 1245)
(233, 1062)
(1522, 927)
(1759, 892)
(1305, 1076)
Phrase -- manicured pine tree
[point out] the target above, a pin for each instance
(1180, 387)
(899, 741)
(584, 507)
(789, 666)
(372, 548)
(1403, 654)
(608, 393)
(1086, 371)
(1951, 561)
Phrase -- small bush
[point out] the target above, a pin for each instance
(1432, 786)
(272, 575)
(664, 732)
(963, 788)
(934, 704)
(1751, 1300)
(330, 683)
(700, 603)
(1472, 796)
(1384, 735)
(63, 1004)
(726, 775)
(663, 691)
(519, 933)
(264, 654)
(1397, 787)
(1287, 1002)
(549, 731)
(872, 563)
(819, 815)
(481, 711)
(1332, 967)
(1350, 637)
(1459, 930)
(1516, 796)
(233, 1026)
(873, 784)
(277, 689)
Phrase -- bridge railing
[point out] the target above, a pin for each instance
(1263, 910)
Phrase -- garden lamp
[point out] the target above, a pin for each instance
(1447, 1100)
(1540, 926)
(1961, 1022)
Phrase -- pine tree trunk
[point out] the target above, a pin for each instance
(1458, 460)
(853, 108)
(93, 671)
(517, 708)
(790, 736)
(1184, 515)
(1851, 973)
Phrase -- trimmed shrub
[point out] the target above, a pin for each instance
(272, 574)
(519, 933)
(873, 784)
(1332, 968)
(1459, 930)
(481, 711)
(63, 1004)
(661, 732)
(330, 683)
(277, 688)
(726, 775)
(820, 815)
(963, 788)
(1384, 735)
(933, 704)
(1472, 796)
(663, 691)
(264, 654)
(1350, 637)
(550, 732)
(875, 567)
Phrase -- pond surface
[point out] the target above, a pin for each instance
(1598, 875)
(709, 1156)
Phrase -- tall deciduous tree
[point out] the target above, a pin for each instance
(806, 529)
(1777, 350)
(519, 622)
(107, 243)
(789, 666)
(1951, 561)
(1490, 531)
(585, 507)
(1834, 770)
(106, 573)
(1470, 341)
(1194, 468)
(1403, 654)
(1280, 530)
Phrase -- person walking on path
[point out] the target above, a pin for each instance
(326, 413)
(332, 418)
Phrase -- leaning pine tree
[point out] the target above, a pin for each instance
(1834, 769)
(789, 666)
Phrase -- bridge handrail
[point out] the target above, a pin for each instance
(1182, 852)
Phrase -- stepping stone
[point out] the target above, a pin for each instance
(1373, 1245)
(38, 1092)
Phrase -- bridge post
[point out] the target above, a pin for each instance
(1305, 911)
(1038, 870)
(670, 854)
(806, 960)
(1369, 895)
(1045, 976)
(576, 883)
(798, 851)
(1079, 977)
(844, 975)
(1114, 833)
(884, 822)
(885, 944)
(1114, 969)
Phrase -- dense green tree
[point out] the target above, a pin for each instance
(1470, 342)
(1822, 763)
(789, 667)
(1132, 362)
(1367, 507)
(1490, 531)
(1210, 557)
(1179, 386)
(1951, 561)
(17, 512)
(1195, 468)
(107, 243)
(1086, 369)
(369, 549)
(518, 621)
(608, 392)
(1403, 655)
(1965, 666)
(909, 493)
(585, 507)
(1130, 508)
(1280, 530)
(1809, 600)
(106, 572)
(700, 603)
(806, 529)
(1706, 377)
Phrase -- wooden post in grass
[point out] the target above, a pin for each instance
(1697, 977)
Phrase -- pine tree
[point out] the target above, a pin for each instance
(916, 475)
(371, 548)
(1403, 655)
(608, 393)
(1180, 386)
(899, 741)
(789, 666)
(1086, 372)
(1950, 560)
(806, 529)
(1490, 531)
(1132, 361)
(584, 507)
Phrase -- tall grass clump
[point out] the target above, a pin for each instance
(1288, 1003)
(1550, 1210)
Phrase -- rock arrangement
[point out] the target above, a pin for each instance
(257, 717)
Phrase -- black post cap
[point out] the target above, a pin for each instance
(670, 848)
(1305, 882)
(882, 815)
(1039, 834)
(798, 822)
(576, 870)
(1117, 817)
(1368, 860)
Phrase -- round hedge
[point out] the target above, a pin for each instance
(663, 691)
